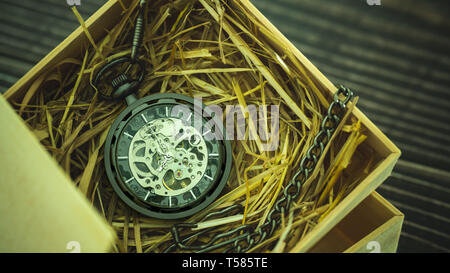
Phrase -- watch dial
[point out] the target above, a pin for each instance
(164, 157)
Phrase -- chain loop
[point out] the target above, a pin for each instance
(121, 84)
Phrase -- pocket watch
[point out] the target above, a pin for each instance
(158, 158)
(161, 162)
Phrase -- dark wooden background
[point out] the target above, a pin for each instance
(395, 56)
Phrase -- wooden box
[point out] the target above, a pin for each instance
(374, 226)
(31, 180)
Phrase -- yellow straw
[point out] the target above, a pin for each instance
(86, 31)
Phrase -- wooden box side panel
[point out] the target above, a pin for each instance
(364, 189)
(374, 219)
(41, 210)
(382, 240)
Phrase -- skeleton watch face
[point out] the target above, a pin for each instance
(167, 157)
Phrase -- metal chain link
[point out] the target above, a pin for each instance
(244, 238)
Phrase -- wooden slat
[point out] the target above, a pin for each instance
(41, 209)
